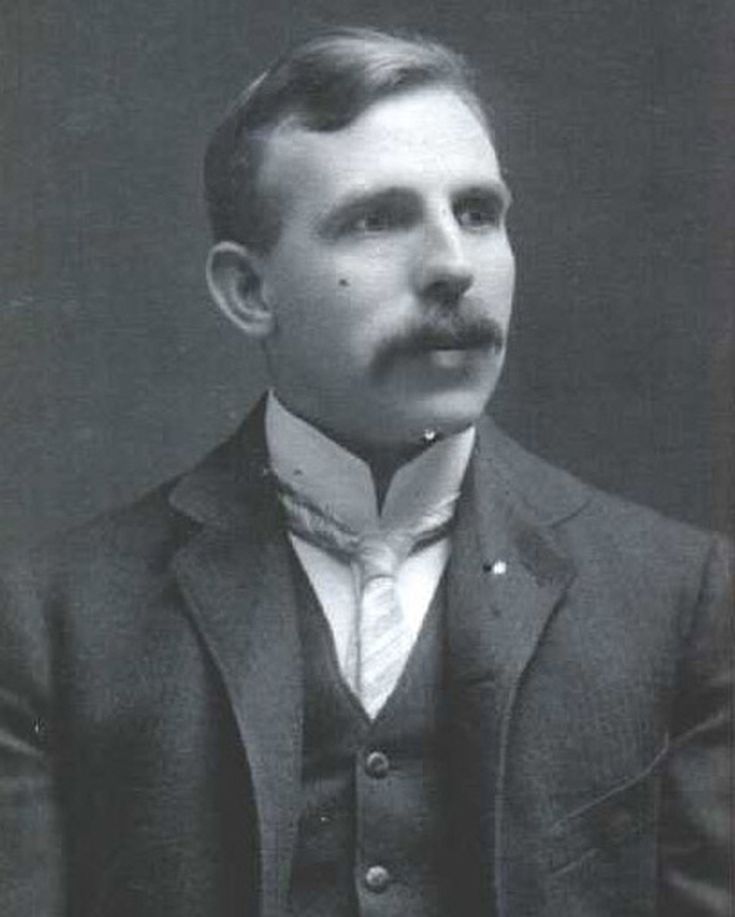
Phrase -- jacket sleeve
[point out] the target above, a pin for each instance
(31, 871)
(696, 878)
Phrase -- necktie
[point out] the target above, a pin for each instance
(382, 641)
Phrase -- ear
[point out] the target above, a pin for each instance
(235, 284)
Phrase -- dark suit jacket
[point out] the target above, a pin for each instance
(150, 701)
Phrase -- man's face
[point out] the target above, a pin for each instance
(392, 278)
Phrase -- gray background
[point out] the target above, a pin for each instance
(615, 127)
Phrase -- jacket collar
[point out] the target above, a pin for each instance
(543, 494)
(233, 483)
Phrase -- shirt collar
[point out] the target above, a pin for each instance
(340, 482)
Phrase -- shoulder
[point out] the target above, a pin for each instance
(139, 539)
(599, 528)
(132, 542)
(130, 549)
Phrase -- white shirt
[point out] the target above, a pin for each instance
(342, 483)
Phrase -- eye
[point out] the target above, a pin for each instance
(480, 212)
(373, 221)
(378, 220)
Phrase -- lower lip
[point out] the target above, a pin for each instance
(451, 359)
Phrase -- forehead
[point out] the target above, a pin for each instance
(426, 140)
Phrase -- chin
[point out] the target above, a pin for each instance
(446, 414)
(451, 402)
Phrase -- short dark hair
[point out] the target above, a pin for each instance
(320, 85)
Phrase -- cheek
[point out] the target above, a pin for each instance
(509, 277)
(377, 267)
(306, 301)
(498, 277)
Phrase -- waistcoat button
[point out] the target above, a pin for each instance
(377, 764)
(377, 879)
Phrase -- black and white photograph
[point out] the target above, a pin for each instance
(367, 471)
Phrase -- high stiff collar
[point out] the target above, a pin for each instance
(342, 484)
(233, 482)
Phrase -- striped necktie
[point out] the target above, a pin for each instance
(382, 641)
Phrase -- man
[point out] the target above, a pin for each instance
(369, 657)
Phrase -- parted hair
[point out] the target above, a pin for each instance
(321, 85)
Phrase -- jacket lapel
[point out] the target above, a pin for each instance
(516, 574)
(236, 578)
(507, 576)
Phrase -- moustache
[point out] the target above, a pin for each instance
(450, 332)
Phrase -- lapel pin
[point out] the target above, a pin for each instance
(499, 568)
(429, 435)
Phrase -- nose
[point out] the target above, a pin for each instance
(445, 272)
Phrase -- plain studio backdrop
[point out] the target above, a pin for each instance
(615, 129)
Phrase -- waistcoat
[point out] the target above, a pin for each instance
(394, 815)
(372, 835)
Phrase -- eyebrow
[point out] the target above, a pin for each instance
(497, 189)
(354, 204)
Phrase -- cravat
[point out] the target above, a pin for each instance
(382, 641)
